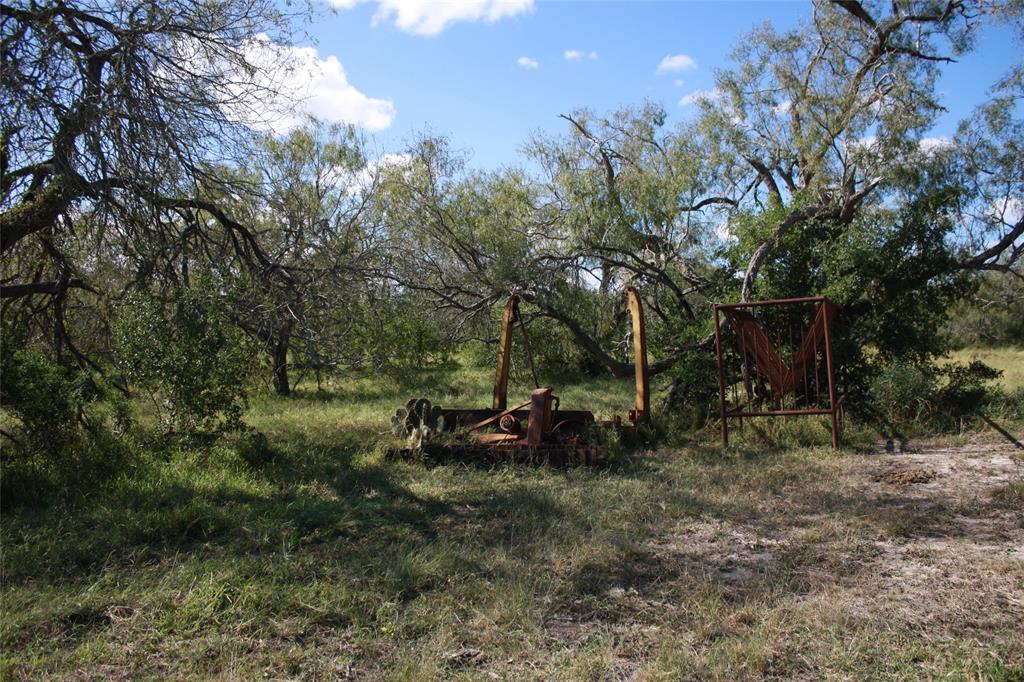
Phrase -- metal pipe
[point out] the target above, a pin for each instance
(721, 381)
(779, 413)
(777, 301)
(831, 378)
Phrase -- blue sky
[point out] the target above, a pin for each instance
(466, 68)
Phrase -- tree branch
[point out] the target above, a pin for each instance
(983, 260)
(50, 288)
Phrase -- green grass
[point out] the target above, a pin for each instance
(311, 556)
(1009, 360)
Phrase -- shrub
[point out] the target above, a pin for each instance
(902, 393)
(966, 388)
(56, 433)
(909, 395)
(189, 358)
(696, 394)
(43, 397)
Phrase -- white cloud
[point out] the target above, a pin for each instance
(1007, 210)
(677, 62)
(698, 95)
(865, 144)
(723, 230)
(364, 178)
(527, 63)
(430, 17)
(306, 85)
(929, 145)
(678, 82)
(783, 107)
(579, 55)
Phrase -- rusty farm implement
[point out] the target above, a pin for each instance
(537, 429)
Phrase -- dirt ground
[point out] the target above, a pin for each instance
(967, 556)
(919, 549)
(795, 564)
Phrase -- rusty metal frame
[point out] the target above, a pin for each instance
(825, 308)
(508, 317)
(642, 413)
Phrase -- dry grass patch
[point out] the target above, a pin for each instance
(314, 558)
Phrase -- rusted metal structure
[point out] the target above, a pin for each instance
(775, 360)
(537, 429)
(642, 412)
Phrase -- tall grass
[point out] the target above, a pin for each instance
(296, 550)
(1009, 360)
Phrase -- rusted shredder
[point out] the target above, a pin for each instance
(537, 429)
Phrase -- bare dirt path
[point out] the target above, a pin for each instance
(962, 552)
(899, 563)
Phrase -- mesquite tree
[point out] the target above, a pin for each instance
(312, 221)
(821, 122)
(816, 134)
(118, 117)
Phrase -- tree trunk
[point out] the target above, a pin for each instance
(279, 356)
(672, 399)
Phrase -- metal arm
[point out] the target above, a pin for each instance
(643, 389)
(509, 317)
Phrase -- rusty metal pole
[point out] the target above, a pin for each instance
(643, 387)
(539, 421)
(509, 316)
(721, 381)
(831, 378)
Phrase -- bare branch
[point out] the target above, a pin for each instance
(51, 288)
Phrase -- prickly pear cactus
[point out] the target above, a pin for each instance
(417, 422)
(398, 422)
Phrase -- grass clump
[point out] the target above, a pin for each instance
(296, 550)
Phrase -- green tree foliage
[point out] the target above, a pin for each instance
(56, 428)
(892, 272)
(805, 172)
(907, 397)
(815, 136)
(188, 357)
(309, 217)
(44, 399)
(896, 279)
(994, 316)
(121, 111)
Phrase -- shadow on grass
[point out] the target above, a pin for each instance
(253, 504)
(735, 554)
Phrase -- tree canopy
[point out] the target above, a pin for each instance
(134, 159)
